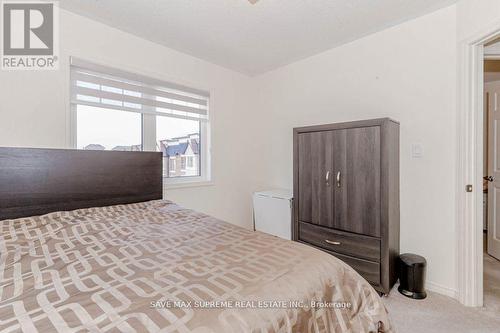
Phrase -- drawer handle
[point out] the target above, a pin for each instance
(332, 242)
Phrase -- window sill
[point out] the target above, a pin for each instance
(186, 184)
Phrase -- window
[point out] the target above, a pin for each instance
(180, 137)
(117, 110)
(98, 130)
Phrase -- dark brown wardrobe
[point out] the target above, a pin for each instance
(346, 195)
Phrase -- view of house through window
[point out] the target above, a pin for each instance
(107, 129)
(130, 112)
(179, 141)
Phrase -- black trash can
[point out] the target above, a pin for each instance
(412, 275)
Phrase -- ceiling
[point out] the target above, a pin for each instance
(252, 39)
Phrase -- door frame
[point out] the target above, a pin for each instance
(469, 208)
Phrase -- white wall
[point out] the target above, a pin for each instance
(34, 110)
(475, 16)
(408, 73)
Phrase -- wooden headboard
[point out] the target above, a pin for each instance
(39, 181)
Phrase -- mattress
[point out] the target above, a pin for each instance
(157, 267)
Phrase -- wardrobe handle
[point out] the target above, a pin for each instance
(327, 178)
(332, 242)
(338, 179)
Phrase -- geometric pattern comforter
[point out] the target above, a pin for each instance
(157, 267)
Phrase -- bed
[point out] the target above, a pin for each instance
(88, 245)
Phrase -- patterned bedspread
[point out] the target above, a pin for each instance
(156, 267)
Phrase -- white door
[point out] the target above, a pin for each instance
(493, 93)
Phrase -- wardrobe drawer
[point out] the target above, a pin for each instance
(342, 242)
(369, 270)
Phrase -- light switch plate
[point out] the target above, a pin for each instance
(417, 150)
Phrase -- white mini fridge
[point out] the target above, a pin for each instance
(272, 212)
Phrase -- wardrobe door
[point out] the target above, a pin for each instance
(362, 181)
(315, 178)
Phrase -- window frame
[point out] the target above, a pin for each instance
(172, 164)
(148, 128)
(205, 171)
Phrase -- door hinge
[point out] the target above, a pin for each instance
(468, 188)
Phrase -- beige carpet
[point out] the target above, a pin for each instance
(492, 284)
(438, 314)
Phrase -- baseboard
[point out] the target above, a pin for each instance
(440, 289)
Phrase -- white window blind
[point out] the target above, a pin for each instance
(105, 87)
